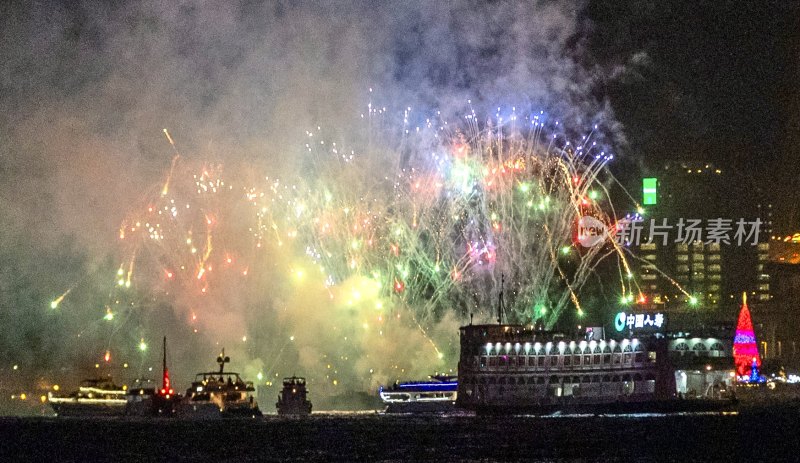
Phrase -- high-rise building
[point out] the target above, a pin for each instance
(714, 270)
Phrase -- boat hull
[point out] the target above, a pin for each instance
(91, 409)
(611, 408)
(421, 407)
(291, 409)
(212, 411)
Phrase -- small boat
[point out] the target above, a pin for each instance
(94, 397)
(147, 399)
(437, 395)
(292, 400)
(220, 394)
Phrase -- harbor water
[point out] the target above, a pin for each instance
(763, 434)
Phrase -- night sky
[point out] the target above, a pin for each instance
(86, 90)
(713, 81)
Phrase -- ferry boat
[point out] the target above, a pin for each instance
(292, 400)
(220, 394)
(437, 395)
(94, 397)
(509, 368)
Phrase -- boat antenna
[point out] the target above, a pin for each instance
(222, 360)
(500, 303)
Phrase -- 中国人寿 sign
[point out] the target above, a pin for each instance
(642, 322)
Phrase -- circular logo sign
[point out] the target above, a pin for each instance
(619, 321)
(591, 231)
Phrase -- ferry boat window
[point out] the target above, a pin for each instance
(587, 359)
(626, 358)
(615, 379)
(502, 380)
(483, 362)
(504, 361)
(493, 361)
(521, 361)
(567, 361)
(531, 380)
(637, 377)
(681, 347)
(717, 350)
(586, 379)
(700, 349)
(540, 380)
(540, 361)
(554, 380)
(576, 359)
(531, 361)
(492, 380)
(639, 357)
(616, 358)
(553, 360)
(567, 380)
(606, 379)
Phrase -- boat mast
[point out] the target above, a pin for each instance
(222, 360)
(165, 383)
(500, 304)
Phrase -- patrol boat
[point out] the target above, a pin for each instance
(292, 400)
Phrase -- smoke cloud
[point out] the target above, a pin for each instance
(87, 90)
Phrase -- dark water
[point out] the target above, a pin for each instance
(761, 435)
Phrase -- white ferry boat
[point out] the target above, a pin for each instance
(507, 368)
(438, 394)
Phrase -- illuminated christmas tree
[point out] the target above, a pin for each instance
(745, 349)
